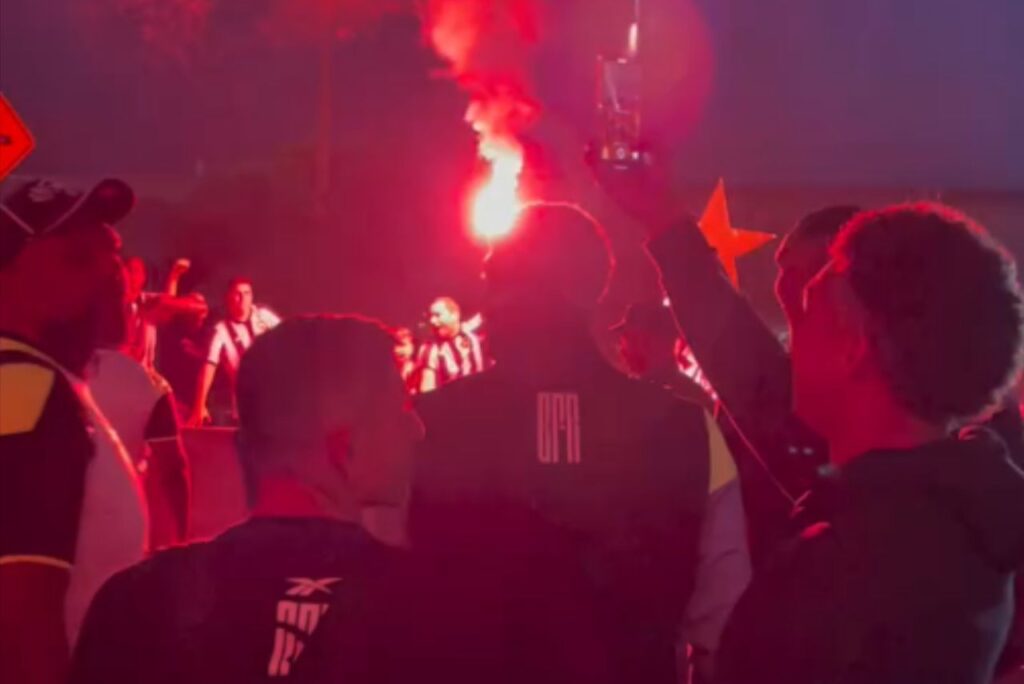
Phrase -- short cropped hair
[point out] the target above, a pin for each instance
(943, 304)
(825, 222)
(558, 247)
(450, 304)
(306, 378)
(239, 280)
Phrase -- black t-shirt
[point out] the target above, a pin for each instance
(242, 607)
(607, 472)
(45, 449)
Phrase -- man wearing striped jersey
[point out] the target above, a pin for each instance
(231, 338)
(456, 350)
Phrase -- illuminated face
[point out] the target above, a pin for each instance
(444, 320)
(827, 347)
(239, 302)
(76, 284)
(136, 276)
(799, 260)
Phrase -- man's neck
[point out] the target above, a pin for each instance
(878, 426)
(554, 353)
(19, 322)
(283, 497)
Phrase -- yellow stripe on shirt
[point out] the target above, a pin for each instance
(723, 468)
(36, 560)
(24, 391)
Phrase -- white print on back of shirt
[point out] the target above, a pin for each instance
(296, 620)
(558, 427)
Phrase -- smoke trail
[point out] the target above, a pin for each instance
(307, 20)
(177, 29)
(171, 28)
(486, 44)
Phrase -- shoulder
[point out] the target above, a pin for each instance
(662, 404)
(160, 573)
(218, 334)
(268, 315)
(25, 391)
(33, 395)
(116, 369)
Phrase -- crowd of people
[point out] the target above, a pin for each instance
(512, 507)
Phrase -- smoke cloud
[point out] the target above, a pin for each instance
(486, 44)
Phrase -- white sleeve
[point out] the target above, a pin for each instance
(271, 319)
(216, 346)
(723, 568)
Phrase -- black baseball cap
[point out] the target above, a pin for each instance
(42, 207)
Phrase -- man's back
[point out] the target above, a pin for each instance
(595, 469)
(240, 608)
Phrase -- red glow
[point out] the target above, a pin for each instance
(497, 203)
(486, 42)
(171, 28)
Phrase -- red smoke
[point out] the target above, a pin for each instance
(486, 44)
(307, 20)
(169, 27)
(177, 28)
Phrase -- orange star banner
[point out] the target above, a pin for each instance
(729, 242)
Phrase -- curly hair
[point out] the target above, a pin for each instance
(943, 304)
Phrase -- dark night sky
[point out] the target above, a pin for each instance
(908, 96)
(915, 92)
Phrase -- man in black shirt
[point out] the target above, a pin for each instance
(905, 571)
(556, 461)
(325, 432)
(70, 514)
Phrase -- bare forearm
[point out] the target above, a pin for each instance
(169, 484)
(203, 387)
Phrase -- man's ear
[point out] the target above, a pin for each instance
(859, 351)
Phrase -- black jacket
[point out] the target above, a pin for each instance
(905, 575)
(749, 369)
(623, 497)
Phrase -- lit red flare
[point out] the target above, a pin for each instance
(496, 205)
(485, 43)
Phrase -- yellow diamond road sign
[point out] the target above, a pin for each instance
(16, 141)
